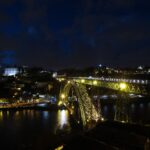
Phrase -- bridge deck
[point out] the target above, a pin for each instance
(124, 85)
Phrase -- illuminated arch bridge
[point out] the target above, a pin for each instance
(87, 109)
(88, 112)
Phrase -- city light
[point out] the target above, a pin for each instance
(19, 89)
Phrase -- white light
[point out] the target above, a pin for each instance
(123, 121)
(100, 65)
(10, 71)
(45, 113)
(62, 118)
(140, 67)
(90, 77)
(102, 119)
(54, 75)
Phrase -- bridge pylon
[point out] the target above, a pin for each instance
(121, 108)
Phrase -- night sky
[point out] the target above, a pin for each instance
(75, 33)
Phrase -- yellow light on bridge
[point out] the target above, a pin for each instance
(102, 119)
(59, 148)
(82, 81)
(19, 89)
(123, 86)
(60, 103)
(69, 82)
(60, 79)
(95, 82)
(62, 96)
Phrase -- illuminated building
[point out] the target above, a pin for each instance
(11, 71)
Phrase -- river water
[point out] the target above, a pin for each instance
(39, 129)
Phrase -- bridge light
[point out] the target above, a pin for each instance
(68, 81)
(82, 81)
(61, 79)
(123, 86)
(95, 82)
(123, 121)
(59, 103)
(59, 148)
(62, 96)
(102, 119)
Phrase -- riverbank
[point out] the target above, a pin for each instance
(112, 136)
(30, 106)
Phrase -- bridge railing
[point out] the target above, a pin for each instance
(134, 81)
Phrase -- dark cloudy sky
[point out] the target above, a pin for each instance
(75, 33)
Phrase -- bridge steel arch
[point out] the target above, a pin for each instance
(87, 109)
(121, 113)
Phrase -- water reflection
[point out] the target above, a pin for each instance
(141, 106)
(45, 115)
(63, 118)
(132, 106)
(59, 121)
(4, 115)
(29, 127)
(7, 113)
(105, 108)
(17, 115)
(63, 123)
